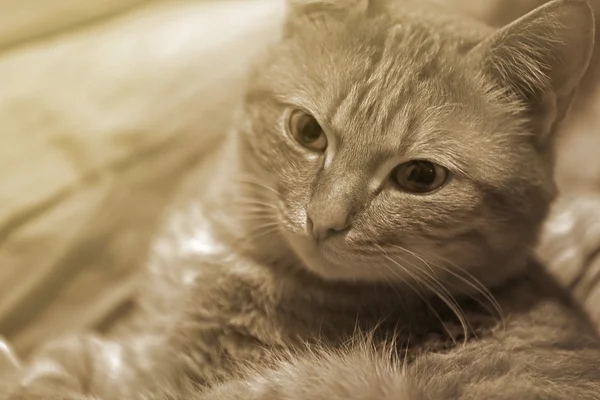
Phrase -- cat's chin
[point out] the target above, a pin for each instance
(313, 258)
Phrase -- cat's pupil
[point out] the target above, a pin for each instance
(311, 130)
(420, 176)
(305, 130)
(422, 173)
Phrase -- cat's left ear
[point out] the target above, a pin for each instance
(542, 58)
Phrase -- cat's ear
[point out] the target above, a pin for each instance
(542, 57)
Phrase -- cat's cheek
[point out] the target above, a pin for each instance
(296, 179)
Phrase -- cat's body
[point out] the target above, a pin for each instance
(309, 267)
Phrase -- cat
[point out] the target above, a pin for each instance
(365, 230)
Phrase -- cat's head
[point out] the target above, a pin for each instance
(404, 143)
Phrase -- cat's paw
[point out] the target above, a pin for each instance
(358, 373)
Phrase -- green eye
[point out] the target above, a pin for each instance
(420, 176)
(305, 129)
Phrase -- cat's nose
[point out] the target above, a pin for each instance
(326, 222)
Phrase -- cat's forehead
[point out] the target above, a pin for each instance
(356, 64)
(392, 82)
(391, 88)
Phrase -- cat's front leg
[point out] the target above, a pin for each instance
(500, 374)
(360, 373)
(545, 350)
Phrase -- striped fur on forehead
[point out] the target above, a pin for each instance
(393, 85)
(400, 62)
(397, 76)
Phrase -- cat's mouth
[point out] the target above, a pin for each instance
(315, 257)
(330, 262)
(333, 259)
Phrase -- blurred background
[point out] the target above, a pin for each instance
(104, 107)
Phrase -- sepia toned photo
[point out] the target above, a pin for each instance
(299, 200)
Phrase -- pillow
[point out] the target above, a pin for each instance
(97, 128)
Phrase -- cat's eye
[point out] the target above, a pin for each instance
(420, 176)
(305, 129)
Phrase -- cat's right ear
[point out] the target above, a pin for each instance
(542, 57)
(303, 11)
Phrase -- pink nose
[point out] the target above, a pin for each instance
(324, 222)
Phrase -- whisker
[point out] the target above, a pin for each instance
(252, 213)
(429, 266)
(398, 294)
(479, 287)
(250, 180)
(418, 282)
(470, 280)
(248, 202)
(258, 232)
(414, 255)
(435, 286)
(474, 283)
(447, 298)
(270, 224)
(404, 366)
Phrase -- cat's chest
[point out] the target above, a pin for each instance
(230, 320)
